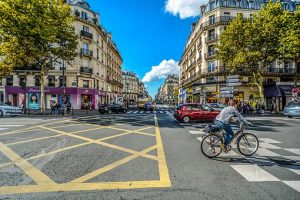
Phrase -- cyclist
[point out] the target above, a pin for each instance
(225, 117)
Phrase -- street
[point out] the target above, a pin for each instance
(142, 155)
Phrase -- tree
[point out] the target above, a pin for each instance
(251, 45)
(290, 37)
(36, 33)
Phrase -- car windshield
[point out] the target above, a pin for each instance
(293, 104)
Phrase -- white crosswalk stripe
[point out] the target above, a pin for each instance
(2, 129)
(129, 112)
(253, 173)
(293, 184)
(295, 151)
(196, 132)
(151, 112)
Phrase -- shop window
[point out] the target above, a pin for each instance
(85, 83)
(10, 81)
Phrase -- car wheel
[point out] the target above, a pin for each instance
(289, 116)
(186, 119)
(109, 111)
(1, 113)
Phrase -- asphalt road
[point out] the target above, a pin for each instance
(142, 156)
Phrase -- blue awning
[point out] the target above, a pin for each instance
(277, 91)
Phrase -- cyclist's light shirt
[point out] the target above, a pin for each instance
(227, 113)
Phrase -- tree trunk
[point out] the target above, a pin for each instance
(42, 91)
(260, 87)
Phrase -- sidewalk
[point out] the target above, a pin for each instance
(76, 113)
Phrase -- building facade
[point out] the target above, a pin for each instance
(167, 91)
(202, 75)
(131, 87)
(93, 77)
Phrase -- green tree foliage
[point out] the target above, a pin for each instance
(35, 33)
(251, 45)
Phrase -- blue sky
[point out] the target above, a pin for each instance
(145, 34)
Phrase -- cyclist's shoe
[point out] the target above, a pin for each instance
(227, 148)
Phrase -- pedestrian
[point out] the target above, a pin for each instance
(68, 108)
(274, 107)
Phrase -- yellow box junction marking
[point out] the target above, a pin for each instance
(45, 184)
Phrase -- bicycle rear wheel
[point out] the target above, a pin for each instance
(211, 145)
(248, 144)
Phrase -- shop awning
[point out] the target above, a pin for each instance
(277, 91)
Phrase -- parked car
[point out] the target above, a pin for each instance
(217, 106)
(112, 108)
(6, 110)
(292, 109)
(195, 112)
(148, 106)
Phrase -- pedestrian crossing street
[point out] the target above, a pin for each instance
(271, 163)
(151, 112)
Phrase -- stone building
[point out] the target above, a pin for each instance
(202, 75)
(131, 87)
(94, 77)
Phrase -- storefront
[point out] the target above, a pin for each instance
(281, 94)
(32, 96)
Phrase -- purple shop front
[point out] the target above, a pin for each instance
(78, 97)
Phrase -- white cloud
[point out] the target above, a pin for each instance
(184, 8)
(165, 68)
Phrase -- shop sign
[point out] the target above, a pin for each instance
(31, 90)
(34, 101)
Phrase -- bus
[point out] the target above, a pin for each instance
(142, 99)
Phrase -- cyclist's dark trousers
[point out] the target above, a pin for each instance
(228, 131)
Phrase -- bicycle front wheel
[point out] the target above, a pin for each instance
(248, 144)
(211, 145)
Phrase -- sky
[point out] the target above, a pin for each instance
(150, 34)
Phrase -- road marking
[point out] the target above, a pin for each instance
(148, 112)
(161, 112)
(1, 129)
(135, 112)
(20, 131)
(129, 112)
(111, 166)
(196, 132)
(142, 112)
(266, 153)
(32, 140)
(103, 143)
(36, 175)
(269, 141)
(293, 184)
(293, 168)
(11, 125)
(253, 173)
(162, 163)
(154, 112)
(200, 139)
(268, 146)
(295, 151)
(230, 153)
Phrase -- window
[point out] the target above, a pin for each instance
(84, 15)
(22, 81)
(98, 54)
(51, 81)
(37, 81)
(212, 19)
(205, 108)
(211, 66)
(86, 29)
(10, 81)
(211, 50)
(61, 81)
(86, 46)
(211, 34)
(226, 16)
(192, 107)
(85, 83)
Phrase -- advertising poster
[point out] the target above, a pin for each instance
(34, 101)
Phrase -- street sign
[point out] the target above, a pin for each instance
(295, 90)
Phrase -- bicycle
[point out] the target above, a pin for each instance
(247, 143)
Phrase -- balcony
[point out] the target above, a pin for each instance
(86, 35)
(218, 20)
(86, 70)
(86, 52)
(211, 38)
(281, 70)
(210, 55)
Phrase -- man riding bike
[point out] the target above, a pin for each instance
(223, 121)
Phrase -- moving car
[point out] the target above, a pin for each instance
(148, 106)
(292, 109)
(195, 112)
(6, 110)
(217, 106)
(112, 108)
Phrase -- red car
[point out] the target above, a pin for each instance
(195, 112)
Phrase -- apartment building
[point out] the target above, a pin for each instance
(131, 88)
(166, 92)
(93, 77)
(202, 75)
